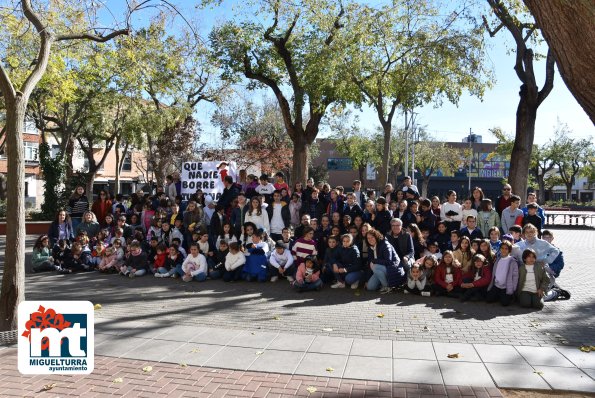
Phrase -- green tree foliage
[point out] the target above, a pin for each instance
(294, 49)
(408, 54)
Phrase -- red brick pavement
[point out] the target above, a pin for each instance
(174, 380)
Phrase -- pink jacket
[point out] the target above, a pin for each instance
(300, 275)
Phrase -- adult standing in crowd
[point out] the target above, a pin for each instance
(476, 198)
(504, 200)
(230, 192)
(175, 188)
(451, 212)
(102, 206)
(409, 188)
(78, 204)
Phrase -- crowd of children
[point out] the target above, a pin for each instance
(313, 236)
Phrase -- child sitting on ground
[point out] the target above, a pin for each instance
(505, 277)
(447, 277)
(173, 262)
(159, 258)
(307, 276)
(194, 266)
(218, 269)
(477, 279)
(114, 256)
(280, 261)
(234, 263)
(416, 280)
(136, 263)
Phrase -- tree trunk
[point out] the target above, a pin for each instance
(299, 169)
(117, 149)
(569, 190)
(362, 175)
(520, 157)
(383, 174)
(90, 180)
(541, 188)
(568, 29)
(424, 186)
(68, 156)
(13, 279)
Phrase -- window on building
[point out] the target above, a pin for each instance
(127, 163)
(30, 127)
(32, 151)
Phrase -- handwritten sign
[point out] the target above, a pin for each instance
(206, 176)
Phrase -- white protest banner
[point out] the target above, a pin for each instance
(207, 176)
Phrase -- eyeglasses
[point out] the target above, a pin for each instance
(506, 189)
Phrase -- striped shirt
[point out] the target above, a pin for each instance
(303, 248)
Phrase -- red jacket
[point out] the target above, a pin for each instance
(160, 260)
(484, 281)
(440, 276)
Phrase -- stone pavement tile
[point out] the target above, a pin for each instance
(149, 330)
(414, 350)
(215, 336)
(181, 333)
(590, 372)
(516, 376)
(466, 352)
(233, 358)
(315, 364)
(331, 345)
(154, 350)
(114, 326)
(372, 348)
(465, 374)
(291, 342)
(416, 371)
(251, 339)
(101, 338)
(545, 356)
(572, 379)
(192, 353)
(499, 354)
(119, 346)
(277, 361)
(583, 360)
(369, 368)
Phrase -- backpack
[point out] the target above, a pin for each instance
(558, 264)
(556, 293)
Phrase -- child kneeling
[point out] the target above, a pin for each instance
(307, 276)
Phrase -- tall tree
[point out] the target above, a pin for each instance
(293, 49)
(569, 31)
(572, 157)
(16, 89)
(513, 16)
(407, 54)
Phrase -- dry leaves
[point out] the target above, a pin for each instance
(587, 348)
(97, 306)
(147, 369)
(380, 315)
(118, 380)
(398, 330)
(259, 352)
(538, 372)
(311, 389)
(195, 350)
(277, 318)
(455, 355)
(329, 369)
(183, 365)
(48, 387)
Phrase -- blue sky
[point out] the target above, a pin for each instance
(448, 122)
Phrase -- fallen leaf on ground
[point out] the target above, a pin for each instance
(329, 369)
(183, 365)
(538, 372)
(380, 315)
(453, 355)
(398, 330)
(147, 369)
(276, 318)
(48, 387)
(118, 380)
(195, 350)
(259, 352)
(311, 389)
(585, 348)
(97, 306)
(327, 329)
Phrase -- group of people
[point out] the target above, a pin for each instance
(313, 236)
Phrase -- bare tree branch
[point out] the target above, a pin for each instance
(92, 37)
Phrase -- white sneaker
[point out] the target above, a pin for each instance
(158, 275)
(274, 278)
(338, 285)
(290, 279)
(355, 285)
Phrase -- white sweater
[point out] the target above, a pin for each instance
(195, 265)
(446, 207)
(261, 221)
(281, 260)
(233, 261)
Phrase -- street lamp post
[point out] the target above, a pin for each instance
(471, 139)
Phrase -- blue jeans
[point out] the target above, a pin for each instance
(378, 279)
(349, 278)
(199, 277)
(304, 286)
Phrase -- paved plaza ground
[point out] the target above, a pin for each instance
(389, 340)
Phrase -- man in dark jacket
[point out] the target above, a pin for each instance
(279, 216)
(230, 192)
(313, 205)
(352, 208)
(402, 242)
(238, 214)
